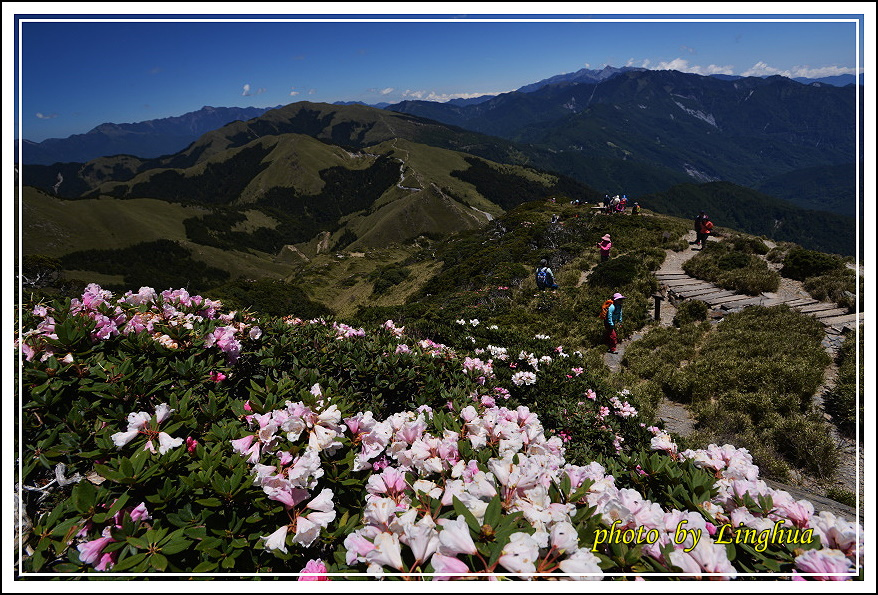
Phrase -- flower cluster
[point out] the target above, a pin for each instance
(139, 423)
(92, 551)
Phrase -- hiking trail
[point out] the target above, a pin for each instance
(676, 286)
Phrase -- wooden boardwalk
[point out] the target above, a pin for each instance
(677, 285)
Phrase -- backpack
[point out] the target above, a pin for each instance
(604, 308)
(544, 279)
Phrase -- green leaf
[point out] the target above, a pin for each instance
(129, 562)
(471, 521)
(209, 502)
(158, 561)
(83, 496)
(493, 512)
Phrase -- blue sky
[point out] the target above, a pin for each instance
(76, 74)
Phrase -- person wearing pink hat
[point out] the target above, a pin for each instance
(612, 321)
(604, 247)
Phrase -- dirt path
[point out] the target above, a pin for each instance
(677, 419)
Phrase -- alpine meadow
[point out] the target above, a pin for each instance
(308, 340)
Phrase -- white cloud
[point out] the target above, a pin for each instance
(763, 69)
(247, 92)
(43, 116)
(293, 91)
(443, 97)
(684, 66)
(386, 91)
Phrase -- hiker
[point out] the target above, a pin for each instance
(555, 218)
(604, 248)
(608, 207)
(697, 227)
(611, 312)
(614, 204)
(706, 228)
(635, 210)
(545, 278)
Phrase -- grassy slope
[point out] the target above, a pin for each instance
(56, 227)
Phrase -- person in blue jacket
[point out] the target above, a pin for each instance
(612, 322)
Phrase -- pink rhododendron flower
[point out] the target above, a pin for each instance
(442, 563)
(315, 570)
(825, 561)
(90, 551)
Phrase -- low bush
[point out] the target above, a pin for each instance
(799, 264)
(690, 311)
(842, 401)
(733, 266)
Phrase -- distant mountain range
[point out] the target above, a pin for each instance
(151, 138)
(641, 131)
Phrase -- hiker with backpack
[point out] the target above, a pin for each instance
(635, 210)
(611, 312)
(545, 277)
(697, 227)
(604, 247)
(706, 228)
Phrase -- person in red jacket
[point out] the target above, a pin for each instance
(706, 229)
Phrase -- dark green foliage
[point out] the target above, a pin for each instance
(346, 239)
(162, 263)
(690, 311)
(219, 183)
(842, 401)
(800, 264)
(509, 190)
(829, 188)
(671, 484)
(732, 265)
(385, 278)
(616, 272)
(344, 192)
(273, 297)
(804, 441)
(39, 270)
(846, 497)
(736, 207)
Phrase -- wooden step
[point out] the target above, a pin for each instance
(828, 313)
(684, 283)
(687, 293)
(820, 306)
(846, 320)
(732, 298)
(801, 302)
(711, 299)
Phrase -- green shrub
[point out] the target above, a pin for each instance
(690, 311)
(842, 401)
(385, 278)
(842, 495)
(616, 272)
(734, 267)
(804, 441)
(800, 264)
